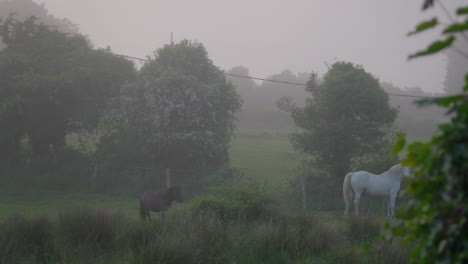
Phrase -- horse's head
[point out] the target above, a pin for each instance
(399, 170)
(175, 193)
(406, 171)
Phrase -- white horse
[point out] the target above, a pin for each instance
(386, 185)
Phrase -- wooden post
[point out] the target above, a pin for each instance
(93, 176)
(168, 177)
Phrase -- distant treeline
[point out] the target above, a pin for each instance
(260, 112)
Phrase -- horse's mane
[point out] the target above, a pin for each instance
(395, 170)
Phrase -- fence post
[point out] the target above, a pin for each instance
(168, 177)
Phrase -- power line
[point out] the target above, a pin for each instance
(128, 57)
(276, 81)
(267, 80)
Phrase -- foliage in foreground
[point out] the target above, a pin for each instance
(436, 216)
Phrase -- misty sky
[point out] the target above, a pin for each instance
(268, 36)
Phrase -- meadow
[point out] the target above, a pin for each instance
(59, 226)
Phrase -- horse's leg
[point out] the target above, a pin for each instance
(392, 204)
(350, 198)
(351, 194)
(389, 211)
(357, 197)
(386, 205)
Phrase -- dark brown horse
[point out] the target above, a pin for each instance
(159, 201)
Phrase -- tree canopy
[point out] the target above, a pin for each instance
(182, 108)
(348, 116)
(52, 83)
(23, 9)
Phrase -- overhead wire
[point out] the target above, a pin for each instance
(275, 81)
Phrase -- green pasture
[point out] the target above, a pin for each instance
(267, 158)
(41, 202)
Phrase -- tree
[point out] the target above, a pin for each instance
(24, 9)
(348, 117)
(52, 83)
(436, 216)
(181, 109)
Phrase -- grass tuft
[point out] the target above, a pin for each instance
(26, 240)
(92, 230)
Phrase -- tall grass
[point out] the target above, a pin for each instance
(184, 238)
(86, 235)
(363, 228)
(26, 240)
(283, 239)
(92, 230)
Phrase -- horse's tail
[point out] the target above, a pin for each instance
(346, 191)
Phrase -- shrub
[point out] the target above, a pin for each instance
(231, 204)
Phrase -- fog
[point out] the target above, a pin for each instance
(269, 36)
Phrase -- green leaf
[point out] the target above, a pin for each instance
(446, 101)
(424, 26)
(456, 27)
(434, 47)
(462, 10)
(466, 83)
(426, 102)
(400, 144)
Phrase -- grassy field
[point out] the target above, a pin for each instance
(38, 202)
(73, 232)
(267, 160)
(266, 157)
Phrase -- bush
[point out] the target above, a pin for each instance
(28, 240)
(231, 204)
